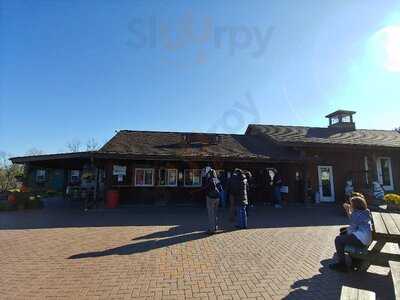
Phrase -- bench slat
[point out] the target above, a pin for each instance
(366, 295)
(349, 293)
(390, 224)
(378, 223)
(396, 220)
(395, 271)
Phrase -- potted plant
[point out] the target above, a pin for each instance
(393, 201)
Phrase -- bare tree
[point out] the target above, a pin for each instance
(4, 159)
(34, 151)
(74, 145)
(92, 145)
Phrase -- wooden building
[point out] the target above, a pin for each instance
(152, 167)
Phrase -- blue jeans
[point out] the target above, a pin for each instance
(241, 216)
(277, 195)
(222, 198)
(212, 210)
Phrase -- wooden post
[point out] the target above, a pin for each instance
(374, 171)
(305, 178)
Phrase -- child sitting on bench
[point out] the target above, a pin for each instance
(358, 234)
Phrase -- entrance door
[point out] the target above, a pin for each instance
(326, 186)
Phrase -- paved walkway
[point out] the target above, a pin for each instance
(163, 253)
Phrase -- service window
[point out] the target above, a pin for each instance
(144, 177)
(192, 177)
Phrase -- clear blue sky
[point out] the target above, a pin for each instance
(82, 69)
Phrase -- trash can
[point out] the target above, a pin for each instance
(112, 199)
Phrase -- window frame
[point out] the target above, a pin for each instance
(380, 174)
(192, 185)
(37, 176)
(71, 176)
(167, 172)
(144, 177)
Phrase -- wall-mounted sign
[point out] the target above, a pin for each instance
(285, 189)
(119, 170)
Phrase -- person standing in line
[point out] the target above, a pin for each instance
(239, 186)
(232, 187)
(223, 189)
(277, 186)
(213, 194)
(250, 190)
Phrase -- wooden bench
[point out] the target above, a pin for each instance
(395, 271)
(386, 229)
(349, 293)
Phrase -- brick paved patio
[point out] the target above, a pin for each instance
(162, 253)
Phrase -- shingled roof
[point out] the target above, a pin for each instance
(298, 135)
(174, 145)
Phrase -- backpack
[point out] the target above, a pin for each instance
(213, 191)
(238, 185)
(234, 184)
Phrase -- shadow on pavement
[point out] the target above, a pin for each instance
(161, 239)
(259, 217)
(328, 284)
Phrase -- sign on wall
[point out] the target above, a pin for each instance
(119, 170)
(285, 189)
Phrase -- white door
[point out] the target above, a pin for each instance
(326, 185)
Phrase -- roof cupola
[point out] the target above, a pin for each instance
(342, 119)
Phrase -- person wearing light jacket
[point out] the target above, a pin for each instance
(358, 234)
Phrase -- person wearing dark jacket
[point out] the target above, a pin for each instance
(250, 190)
(223, 190)
(212, 191)
(277, 185)
(238, 189)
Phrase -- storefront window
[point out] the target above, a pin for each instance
(384, 165)
(144, 177)
(192, 177)
(168, 177)
(172, 177)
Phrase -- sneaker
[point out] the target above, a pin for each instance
(339, 267)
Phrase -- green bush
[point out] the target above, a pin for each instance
(4, 206)
(27, 200)
(34, 203)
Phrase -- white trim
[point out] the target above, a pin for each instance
(322, 198)
(380, 175)
(167, 177)
(366, 169)
(72, 175)
(144, 177)
(192, 185)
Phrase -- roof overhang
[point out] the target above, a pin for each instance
(341, 112)
(70, 160)
(52, 157)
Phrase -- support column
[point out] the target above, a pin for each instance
(306, 180)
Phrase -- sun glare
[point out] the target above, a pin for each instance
(388, 40)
